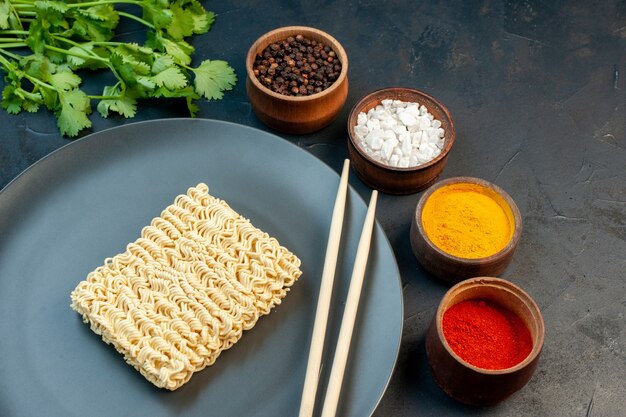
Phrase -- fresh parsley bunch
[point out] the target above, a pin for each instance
(65, 36)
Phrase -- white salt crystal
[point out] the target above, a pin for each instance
(388, 134)
(407, 119)
(417, 138)
(388, 147)
(372, 123)
(380, 114)
(406, 147)
(415, 128)
(361, 131)
(400, 129)
(377, 143)
(372, 136)
(388, 124)
(399, 133)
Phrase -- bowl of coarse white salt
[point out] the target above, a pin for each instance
(399, 139)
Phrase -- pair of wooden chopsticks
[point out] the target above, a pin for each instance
(329, 408)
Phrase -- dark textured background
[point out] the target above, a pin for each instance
(536, 89)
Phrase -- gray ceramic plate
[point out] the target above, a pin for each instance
(69, 211)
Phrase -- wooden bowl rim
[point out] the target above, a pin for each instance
(517, 220)
(262, 42)
(370, 97)
(509, 288)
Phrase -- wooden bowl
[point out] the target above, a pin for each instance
(296, 115)
(464, 381)
(392, 180)
(452, 268)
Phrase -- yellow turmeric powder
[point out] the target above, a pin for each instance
(468, 220)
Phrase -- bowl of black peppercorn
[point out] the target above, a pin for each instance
(297, 79)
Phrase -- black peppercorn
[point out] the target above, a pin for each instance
(297, 66)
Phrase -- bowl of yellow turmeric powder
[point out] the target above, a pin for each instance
(465, 227)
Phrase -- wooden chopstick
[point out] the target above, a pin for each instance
(311, 379)
(349, 314)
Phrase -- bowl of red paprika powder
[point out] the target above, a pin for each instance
(484, 342)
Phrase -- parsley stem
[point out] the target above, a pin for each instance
(12, 55)
(107, 43)
(21, 7)
(78, 45)
(99, 3)
(13, 32)
(16, 14)
(135, 18)
(83, 56)
(105, 97)
(37, 81)
(5, 62)
(13, 45)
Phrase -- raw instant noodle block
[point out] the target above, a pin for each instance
(183, 292)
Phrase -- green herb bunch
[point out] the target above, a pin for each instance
(65, 36)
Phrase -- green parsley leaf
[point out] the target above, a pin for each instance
(5, 13)
(28, 96)
(193, 109)
(30, 106)
(171, 78)
(182, 23)
(38, 66)
(50, 98)
(146, 83)
(161, 63)
(79, 56)
(188, 17)
(64, 80)
(124, 70)
(179, 50)
(202, 19)
(52, 12)
(212, 78)
(72, 112)
(11, 102)
(124, 105)
(157, 13)
(38, 36)
(96, 23)
(139, 58)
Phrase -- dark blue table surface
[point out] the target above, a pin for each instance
(538, 97)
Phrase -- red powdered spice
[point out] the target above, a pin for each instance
(486, 334)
